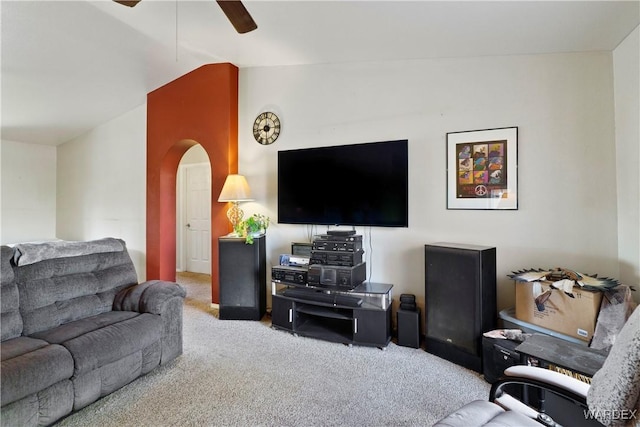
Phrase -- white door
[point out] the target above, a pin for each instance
(198, 216)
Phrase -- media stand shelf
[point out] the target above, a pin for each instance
(361, 316)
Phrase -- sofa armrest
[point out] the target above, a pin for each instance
(148, 297)
(537, 378)
(160, 298)
(549, 377)
(543, 379)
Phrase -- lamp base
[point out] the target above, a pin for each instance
(235, 215)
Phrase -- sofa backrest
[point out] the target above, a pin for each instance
(10, 319)
(59, 286)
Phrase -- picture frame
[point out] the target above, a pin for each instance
(482, 169)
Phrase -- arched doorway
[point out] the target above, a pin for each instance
(200, 106)
(193, 212)
(193, 226)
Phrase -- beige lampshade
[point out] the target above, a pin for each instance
(235, 189)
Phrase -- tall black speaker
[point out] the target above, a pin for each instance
(460, 301)
(243, 278)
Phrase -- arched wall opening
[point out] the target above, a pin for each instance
(193, 214)
(200, 106)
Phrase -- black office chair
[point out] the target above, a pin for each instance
(612, 398)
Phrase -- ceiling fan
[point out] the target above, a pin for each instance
(234, 9)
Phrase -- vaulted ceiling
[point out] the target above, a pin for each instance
(69, 66)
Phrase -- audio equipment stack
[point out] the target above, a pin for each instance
(337, 260)
(323, 294)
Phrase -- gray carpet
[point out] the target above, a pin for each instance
(244, 373)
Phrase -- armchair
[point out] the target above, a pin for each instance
(612, 398)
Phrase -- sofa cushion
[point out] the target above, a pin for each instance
(110, 343)
(33, 371)
(486, 414)
(18, 346)
(62, 290)
(30, 253)
(92, 385)
(42, 408)
(10, 319)
(72, 330)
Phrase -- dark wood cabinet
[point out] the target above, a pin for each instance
(371, 327)
(282, 313)
(460, 301)
(243, 278)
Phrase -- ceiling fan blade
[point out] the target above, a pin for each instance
(129, 3)
(237, 15)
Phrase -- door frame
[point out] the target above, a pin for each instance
(181, 214)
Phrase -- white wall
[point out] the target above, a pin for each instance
(562, 104)
(28, 202)
(626, 68)
(194, 155)
(102, 185)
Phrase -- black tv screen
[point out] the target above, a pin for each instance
(358, 185)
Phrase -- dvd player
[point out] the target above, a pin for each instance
(341, 232)
(339, 237)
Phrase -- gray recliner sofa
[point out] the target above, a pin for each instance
(76, 326)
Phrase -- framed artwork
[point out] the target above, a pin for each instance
(482, 169)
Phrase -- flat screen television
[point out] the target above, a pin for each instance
(358, 185)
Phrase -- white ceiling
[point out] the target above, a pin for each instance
(69, 66)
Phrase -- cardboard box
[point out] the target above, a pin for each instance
(575, 317)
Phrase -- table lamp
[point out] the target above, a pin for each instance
(235, 189)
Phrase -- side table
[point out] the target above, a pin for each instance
(565, 357)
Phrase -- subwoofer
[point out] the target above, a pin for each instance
(460, 301)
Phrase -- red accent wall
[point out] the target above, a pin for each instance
(200, 107)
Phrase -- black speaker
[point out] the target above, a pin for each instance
(408, 323)
(243, 278)
(460, 301)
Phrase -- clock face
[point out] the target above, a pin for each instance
(266, 128)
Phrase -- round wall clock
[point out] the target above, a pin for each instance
(266, 128)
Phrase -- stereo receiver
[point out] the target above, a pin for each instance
(290, 274)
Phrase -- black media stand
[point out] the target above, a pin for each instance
(361, 316)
